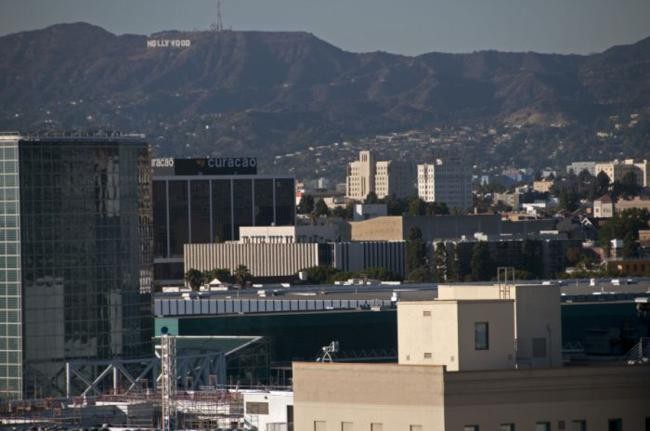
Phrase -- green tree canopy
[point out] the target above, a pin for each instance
(194, 278)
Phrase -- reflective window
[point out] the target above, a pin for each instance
(243, 204)
(200, 210)
(178, 217)
(264, 213)
(481, 336)
(221, 211)
(285, 202)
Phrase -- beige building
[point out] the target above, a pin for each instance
(262, 260)
(604, 207)
(616, 169)
(543, 186)
(385, 178)
(478, 358)
(448, 181)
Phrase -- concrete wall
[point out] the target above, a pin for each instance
(262, 260)
(442, 333)
(537, 315)
(277, 402)
(559, 396)
(427, 333)
(378, 229)
(499, 315)
(359, 256)
(392, 395)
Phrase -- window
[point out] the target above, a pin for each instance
(481, 336)
(426, 313)
(427, 355)
(539, 347)
(507, 427)
(320, 426)
(543, 426)
(470, 428)
(257, 408)
(615, 425)
(578, 425)
(375, 426)
(415, 428)
(347, 426)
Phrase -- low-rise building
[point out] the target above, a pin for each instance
(617, 169)
(604, 207)
(368, 211)
(578, 167)
(485, 357)
(543, 186)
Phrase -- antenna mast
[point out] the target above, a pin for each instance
(218, 26)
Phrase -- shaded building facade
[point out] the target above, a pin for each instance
(197, 201)
(75, 256)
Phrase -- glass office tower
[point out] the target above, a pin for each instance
(75, 256)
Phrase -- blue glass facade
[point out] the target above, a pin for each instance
(81, 269)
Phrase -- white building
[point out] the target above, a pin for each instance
(578, 167)
(385, 178)
(448, 182)
(617, 169)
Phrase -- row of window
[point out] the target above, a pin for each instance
(349, 426)
(615, 424)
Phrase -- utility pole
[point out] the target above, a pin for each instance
(218, 24)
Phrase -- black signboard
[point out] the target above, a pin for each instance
(216, 166)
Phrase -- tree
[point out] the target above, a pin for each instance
(417, 207)
(436, 208)
(222, 274)
(568, 199)
(602, 179)
(619, 226)
(416, 250)
(421, 274)
(242, 275)
(441, 261)
(194, 278)
(531, 251)
(371, 198)
(345, 212)
(628, 186)
(630, 246)
(481, 263)
(321, 209)
(306, 205)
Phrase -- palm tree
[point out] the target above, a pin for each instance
(194, 278)
(242, 275)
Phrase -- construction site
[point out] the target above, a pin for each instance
(173, 391)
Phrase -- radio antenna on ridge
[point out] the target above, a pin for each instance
(218, 25)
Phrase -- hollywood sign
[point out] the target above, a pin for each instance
(168, 43)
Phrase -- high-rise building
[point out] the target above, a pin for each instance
(446, 181)
(75, 256)
(384, 178)
(208, 200)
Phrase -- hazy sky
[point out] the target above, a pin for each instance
(400, 26)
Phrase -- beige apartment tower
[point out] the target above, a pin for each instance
(446, 181)
(384, 178)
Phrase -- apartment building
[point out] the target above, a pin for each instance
(617, 169)
(448, 181)
(477, 358)
(384, 178)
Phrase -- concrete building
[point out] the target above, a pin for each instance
(507, 198)
(396, 228)
(543, 186)
(198, 201)
(368, 211)
(287, 259)
(577, 167)
(606, 207)
(322, 231)
(462, 367)
(448, 181)
(385, 178)
(617, 169)
(75, 272)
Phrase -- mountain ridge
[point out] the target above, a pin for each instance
(260, 92)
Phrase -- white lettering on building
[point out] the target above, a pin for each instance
(162, 163)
